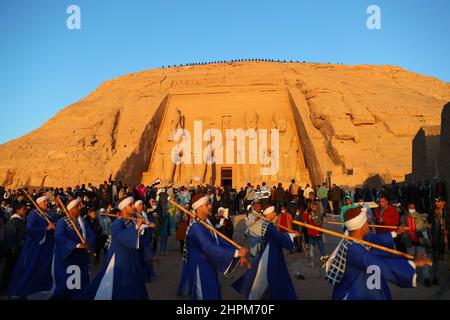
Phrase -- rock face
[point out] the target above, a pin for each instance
(444, 148)
(425, 150)
(353, 121)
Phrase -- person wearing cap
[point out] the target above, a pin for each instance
(32, 273)
(145, 251)
(122, 276)
(206, 254)
(71, 260)
(440, 226)
(358, 272)
(269, 277)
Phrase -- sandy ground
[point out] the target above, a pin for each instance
(314, 287)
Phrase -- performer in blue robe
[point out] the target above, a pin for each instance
(361, 273)
(269, 277)
(33, 270)
(145, 251)
(205, 254)
(122, 276)
(70, 252)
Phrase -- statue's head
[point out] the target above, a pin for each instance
(280, 122)
(251, 120)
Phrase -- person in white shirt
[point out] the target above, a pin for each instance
(254, 227)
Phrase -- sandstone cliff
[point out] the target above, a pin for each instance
(347, 117)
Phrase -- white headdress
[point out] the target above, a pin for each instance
(125, 202)
(41, 199)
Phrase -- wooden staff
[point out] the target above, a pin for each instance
(118, 216)
(122, 217)
(276, 224)
(366, 243)
(206, 225)
(40, 212)
(370, 225)
(80, 236)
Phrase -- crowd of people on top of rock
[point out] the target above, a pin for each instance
(237, 60)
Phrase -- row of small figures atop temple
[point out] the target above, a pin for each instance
(236, 60)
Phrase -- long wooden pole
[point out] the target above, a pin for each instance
(121, 217)
(118, 216)
(366, 243)
(370, 225)
(80, 236)
(41, 213)
(206, 225)
(261, 216)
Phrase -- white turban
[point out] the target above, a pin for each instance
(72, 204)
(357, 222)
(137, 203)
(41, 199)
(268, 210)
(199, 203)
(125, 202)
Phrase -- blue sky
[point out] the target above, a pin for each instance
(45, 67)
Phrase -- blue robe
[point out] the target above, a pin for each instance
(146, 253)
(269, 277)
(33, 270)
(122, 276)
(66, 255)
(182, 285)
(207, 255)
(362, 265)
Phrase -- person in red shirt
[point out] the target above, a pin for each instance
(285, 219)
(386, 215)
